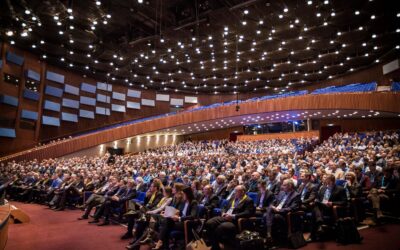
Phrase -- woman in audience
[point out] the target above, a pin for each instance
(187, 211)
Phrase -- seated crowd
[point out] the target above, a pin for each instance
(220, 186)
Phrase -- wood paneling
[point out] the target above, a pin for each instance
(359, 101)
(367, 124)
(290, 135)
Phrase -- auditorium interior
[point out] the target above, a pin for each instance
(199, 124)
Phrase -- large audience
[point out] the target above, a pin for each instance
(218, 186)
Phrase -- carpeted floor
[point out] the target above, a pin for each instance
(61, 231)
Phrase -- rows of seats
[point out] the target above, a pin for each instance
(355, 87)
(395, 86)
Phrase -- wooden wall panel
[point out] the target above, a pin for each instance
(289, 135)
(367, 124)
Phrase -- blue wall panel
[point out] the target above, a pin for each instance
(52, 76)
(51, 121)
(33, 75)
(31, 115)
(71, 89)
(69, 103)
(86, 113)
(7, 132)
(31, 95)
(1, 64)
(118, 96)
(69, 117)
(118, 108)
(88, 88)
(14, 58)
(53, 91)
(10, 100)
(49, 105)
(88, 101)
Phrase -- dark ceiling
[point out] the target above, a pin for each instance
(204, 46)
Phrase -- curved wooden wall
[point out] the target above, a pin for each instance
(385, 101)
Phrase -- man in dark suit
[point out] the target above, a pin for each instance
(288, 200)
(328, 196)
(118, 200)
(99, 196)
(252, 184)
(240, 206)
(219, 186)
(307, 191)
(264, 198)
(273, 183)
(153, 197)
(209, 201)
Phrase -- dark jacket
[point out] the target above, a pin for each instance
(338, 195)
(154, 203)
(268, 199)
(310, 193)
(292, 202)
(243, 209)
(274, 186)
(191, 212)
(210, 203)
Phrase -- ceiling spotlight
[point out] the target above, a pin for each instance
(373, 17)
(12, 42)
(108, 16)
(246, 12)
(98, 3)
(309, 2)
(69, 10)
(44, 56)
(285, 10)
(244, 23)
(140, 1)
(27, 12)
(55, 18)
(357, 12)
(71, 17)
(10, 33)
(24, 34)
(60, 32)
